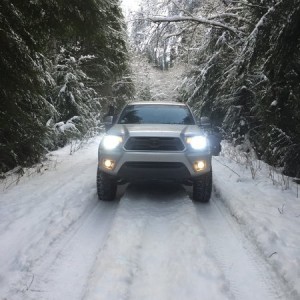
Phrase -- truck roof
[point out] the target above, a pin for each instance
(156, 103)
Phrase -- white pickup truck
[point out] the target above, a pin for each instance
(154, 141)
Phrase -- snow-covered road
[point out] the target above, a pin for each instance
(57, 241)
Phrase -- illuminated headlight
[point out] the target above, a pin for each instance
(108, 164)
(197, 142)
(199, 165)
(111, 142)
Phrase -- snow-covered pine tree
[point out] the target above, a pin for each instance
(22, 90)
(244, 62)
(62, 62)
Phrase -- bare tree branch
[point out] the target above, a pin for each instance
(178, 33)
(249, 4)
(192, 19)
(229, 15)
(181, 9)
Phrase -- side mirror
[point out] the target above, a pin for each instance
(108, 122)
(215, 143)
(205, 122)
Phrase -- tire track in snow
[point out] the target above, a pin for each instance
(66, 268)
(38, 228)
(51, 207)
(249, 276)
(156, 250)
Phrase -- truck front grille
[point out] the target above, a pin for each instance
(154, 144)
(153, 165)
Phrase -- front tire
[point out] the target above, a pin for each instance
(202, 187)
(106, 186)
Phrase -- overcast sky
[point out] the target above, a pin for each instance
(130, 5)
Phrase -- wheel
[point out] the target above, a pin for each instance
(202, 187)
(106, 186)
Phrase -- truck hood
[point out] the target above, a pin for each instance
(155, 130)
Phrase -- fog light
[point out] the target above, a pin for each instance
(108, 164)
(199, 165)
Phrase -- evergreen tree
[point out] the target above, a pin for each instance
(62, 63)
(247, 77)
(21, 91)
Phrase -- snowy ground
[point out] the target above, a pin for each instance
(59, 242)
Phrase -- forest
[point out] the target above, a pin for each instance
(63, 63)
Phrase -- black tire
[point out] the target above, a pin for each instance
(106, 186)
(202, 187)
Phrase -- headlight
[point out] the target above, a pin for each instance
(111, 142)
(197, 142)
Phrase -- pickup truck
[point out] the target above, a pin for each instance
(154, 141)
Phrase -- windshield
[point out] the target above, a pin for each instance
(156, 114)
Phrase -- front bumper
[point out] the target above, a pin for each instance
(136, 165)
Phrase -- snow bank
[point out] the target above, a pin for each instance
(268, 211)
